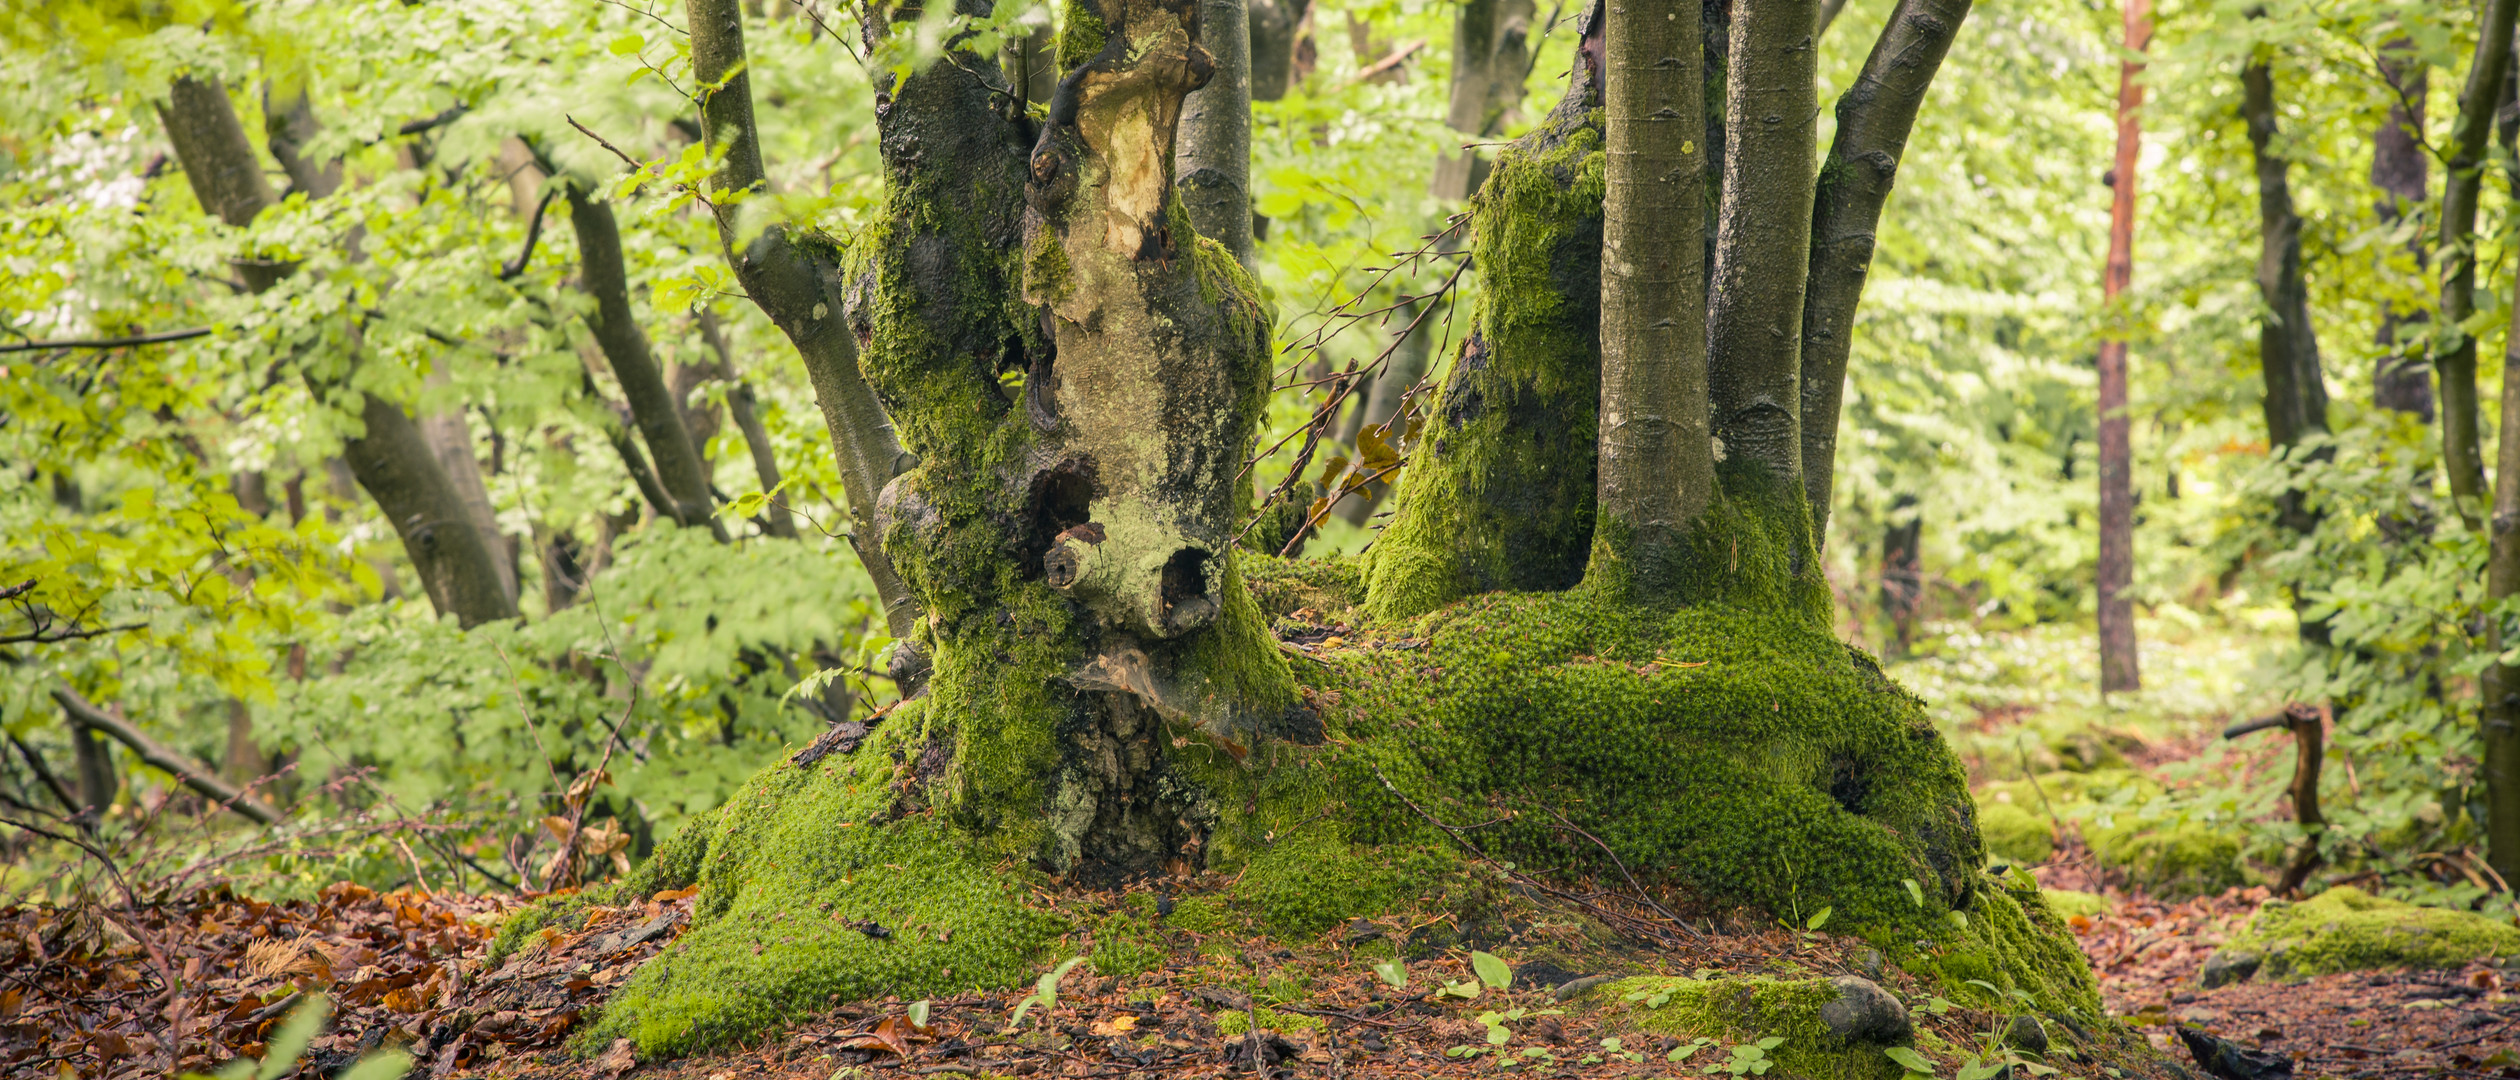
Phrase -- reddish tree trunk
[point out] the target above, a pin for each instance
(2118, 670)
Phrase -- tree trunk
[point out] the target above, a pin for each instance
(1500, 490)
(1762, 254)
(1656, 460)
(449, 436)
(2118, 668)
(391, 459)
(2288, 346)
(1214, 156)
(2454, 349)
(1381, 404)
(746, 411)
(2498, 718)
(1902, 571)
(1873, 120)
(652, 402)
(1276, 28)
(795, 279)
(1491, 56)
(2398, 167)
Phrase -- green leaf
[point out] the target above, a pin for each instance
(1916, 892)
(1771, 1042)
(628, 45)
(1466, 990)
(1957, 919)
(1492, 970)
(919, 1012)
(1819, 918)
(382, 1065)
(1393, 973)
(295, 1032)
(1909, 1059)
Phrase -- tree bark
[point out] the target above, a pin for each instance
(2498, 720)
(1874, 117)
(450, 441)
(2454, 349)
(2399, 165)
(1500, 489)
(1214, 157)
(2288, 346)
(1491, 55)
(1762, 254)
(391, 459)
(796, 281)
(1276, 28)
(746, 411)
(2119, 669)
(1656, 460)
(652, 403)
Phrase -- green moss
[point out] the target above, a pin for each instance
(2067, 903)
(1314, 881)
(2347, 929)
(797, 868)
(1126, 944)
(1234, 1023)
(2014, 942)
(2015, 834)
(1734, 1012)
(1203, 915)
(2172, 859)
(1283, 586)
(1753, 758)
(1499, 492)
(1081, 35)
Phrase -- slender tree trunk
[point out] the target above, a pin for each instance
(2118, 667)
(652, 403)
(2498, 719)
(1491, 56)
(1029, 66)
(2288, 346)
(1902, 571)
(1381, 404)
(1874, 117)
(795, 282)
(1500, 490)
(1656, 460)
(391, 459)
(746, 411)
(2399, 165)
(1214, 157)
(2454, 349)
(1276, 28)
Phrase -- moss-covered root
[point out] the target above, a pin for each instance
(1821, 1029)
(2347, 929)
(807, 895)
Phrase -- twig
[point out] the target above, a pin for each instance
(533, 232)
(444, 117)
(109, 343)
(35, 762)
(1623, 872)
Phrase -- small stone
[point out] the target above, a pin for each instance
(2026, 1033)
(1536, 974)
(1574, 988)
(1361, 930)
(2229, 966)
(1867, 963)
(1864, 1012)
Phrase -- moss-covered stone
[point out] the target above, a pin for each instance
(2347, 929)
(1734, 1012)
(2068, 903)
(2166, 855)
(2015, 834)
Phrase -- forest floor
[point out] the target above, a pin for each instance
(83, 998)
(83, 992)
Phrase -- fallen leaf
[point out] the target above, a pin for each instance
(1114, 1027)
(617, 1059)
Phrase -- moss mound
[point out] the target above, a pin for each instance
(2168, 856)
(1742, 1012)
(807, 894)
(2347, 929)
(1739, 753)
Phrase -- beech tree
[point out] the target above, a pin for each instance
(1617, 486)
